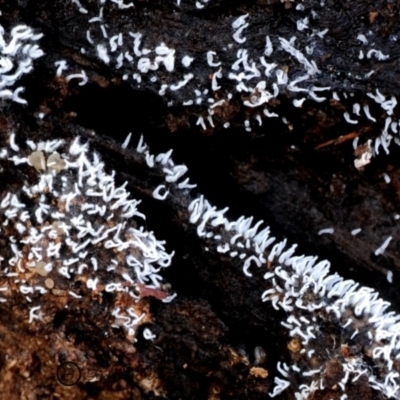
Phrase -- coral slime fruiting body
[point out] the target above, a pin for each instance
(70, 226)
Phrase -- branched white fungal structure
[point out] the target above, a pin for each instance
(71, 229)
(312, 298)
(18, 50)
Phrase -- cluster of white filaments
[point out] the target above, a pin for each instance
(68, 222)
(309, 294)
(258, 80)
(72, 230)
(16, 59)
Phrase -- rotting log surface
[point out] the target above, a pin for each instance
(206, 338)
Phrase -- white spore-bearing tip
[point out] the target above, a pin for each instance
(122, 5)
(187, 60)
(237, 36)
(157, 192)
(239, 21)
(299, 102)
(34, 314)
(362, 38)
(356, 231)
(302, 24)
(210, 59)
(61, 66)
(386, 178)
(126, 141)
(182, 83)
(148, 334)
(324, 231)
(71, 222)
(102, 53)
(268, 46)
(81, 76)
(349, 120)
(378, 55)
(381, 249)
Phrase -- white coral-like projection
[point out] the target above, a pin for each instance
(72, 230)
(16, 59)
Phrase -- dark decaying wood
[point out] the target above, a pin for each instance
(298, 177)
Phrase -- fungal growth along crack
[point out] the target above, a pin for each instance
(363, 338)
